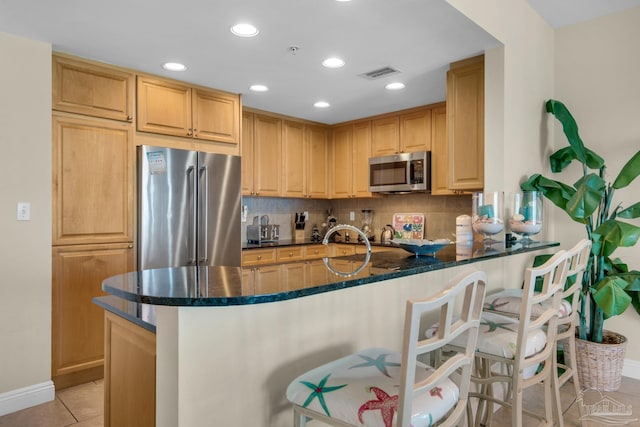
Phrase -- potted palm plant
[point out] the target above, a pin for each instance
(609, 287)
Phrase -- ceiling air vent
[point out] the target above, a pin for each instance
(380, 72)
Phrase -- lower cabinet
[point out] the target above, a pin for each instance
(78, 324)
(130, 374)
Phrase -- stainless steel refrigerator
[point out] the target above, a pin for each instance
(188, 208)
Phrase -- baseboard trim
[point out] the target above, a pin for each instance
(631, 369)
(22, 398)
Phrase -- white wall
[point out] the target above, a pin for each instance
(596, 75)
(25, 252)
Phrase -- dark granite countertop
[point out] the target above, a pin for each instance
(224, 286)
(284, 243)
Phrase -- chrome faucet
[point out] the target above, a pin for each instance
(347, 227)
(367, 256)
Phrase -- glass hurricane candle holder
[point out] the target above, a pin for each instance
(487, 214)
(526, 215)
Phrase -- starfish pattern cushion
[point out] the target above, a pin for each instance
(510, 300)
(498, 336)
(363, 388)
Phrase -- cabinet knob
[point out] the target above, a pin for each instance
(190, 132)
(130, 246)
(290, 253)
(129, 118)
(259, 257)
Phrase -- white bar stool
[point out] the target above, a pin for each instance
(379, 387)
(523, 348)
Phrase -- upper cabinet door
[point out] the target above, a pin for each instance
(415, 131)
(216, 116)
(317, 161)
(84, 88)
(164, 107)
(293, 160)
(267, 144)
(93, 181)
(342, 162)
(439, 153)
(247, 153)
(361, 154)
(465, 124)
(385, 136)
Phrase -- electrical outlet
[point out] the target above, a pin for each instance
(245, 213)
(352, 216)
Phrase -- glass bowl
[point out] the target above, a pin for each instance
(422, 246)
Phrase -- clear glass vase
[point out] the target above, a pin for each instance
(487, 215)
(526, 215)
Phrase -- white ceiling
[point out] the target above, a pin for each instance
(417, 37)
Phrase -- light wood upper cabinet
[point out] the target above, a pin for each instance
(77, 323)
(385, 136)
(303, 150)
(267, 144)
(465, 124)
(342, 162)
(294, 160)
(317, 161)
(402, 132)
(361, 154)
(216, 116)
(351, 152)
(83, 87)
(261, 155)
(93, 181)
(439, 153)
(173, 108)
(415, 131)
(247, 153)
(164, 107)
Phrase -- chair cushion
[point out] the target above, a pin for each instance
(510, 300)
(498, 336)
(363, 388)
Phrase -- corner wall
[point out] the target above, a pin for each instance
(596, 76)
(25, 253)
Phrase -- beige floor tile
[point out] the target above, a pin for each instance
(92, 422)
(50, 414)
(85, 401)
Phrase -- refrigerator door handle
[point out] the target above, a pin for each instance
(204, 200)
(194, 230)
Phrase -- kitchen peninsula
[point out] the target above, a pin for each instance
(225, 350)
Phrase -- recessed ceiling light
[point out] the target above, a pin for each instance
(244, 30)
(174, 66)
(321, 104)
(394, 86)
(258, 88)
(333, 62)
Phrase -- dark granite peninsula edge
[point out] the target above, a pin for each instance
(227, 286)
(218, 355)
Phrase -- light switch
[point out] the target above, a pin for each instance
(24, 211)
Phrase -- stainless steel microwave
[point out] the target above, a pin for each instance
(400, 173)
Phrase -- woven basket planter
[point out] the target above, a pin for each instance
(600, 364)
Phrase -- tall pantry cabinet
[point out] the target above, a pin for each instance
(93, 207)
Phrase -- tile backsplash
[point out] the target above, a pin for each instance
(440, 212)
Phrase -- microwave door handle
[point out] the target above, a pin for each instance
(204, 201)
(192, 233)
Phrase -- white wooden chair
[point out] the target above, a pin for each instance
(519, 348)
(379, 387)
(509, 303)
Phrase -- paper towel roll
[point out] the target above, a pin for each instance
(464, 234)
